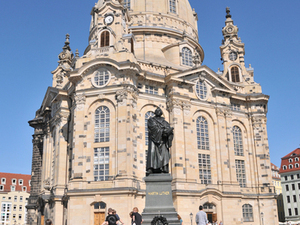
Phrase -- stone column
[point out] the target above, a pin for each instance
(36, 170)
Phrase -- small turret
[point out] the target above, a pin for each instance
(64, 65)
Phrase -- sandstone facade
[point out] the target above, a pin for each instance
(90, 139)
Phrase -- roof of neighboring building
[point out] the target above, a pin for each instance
(275, 172)
(291, 161)
(9, 181)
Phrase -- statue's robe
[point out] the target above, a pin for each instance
(160, 140)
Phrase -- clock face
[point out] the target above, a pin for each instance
(109, 19)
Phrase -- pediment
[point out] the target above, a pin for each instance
(192, 76)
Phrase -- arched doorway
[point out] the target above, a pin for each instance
(211, 211)
(99, 212)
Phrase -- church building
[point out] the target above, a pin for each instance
(90, 136)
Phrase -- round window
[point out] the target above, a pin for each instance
(101, 77)
(201, 89)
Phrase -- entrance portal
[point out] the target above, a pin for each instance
(210, 210)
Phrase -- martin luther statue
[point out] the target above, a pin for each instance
(160, 140)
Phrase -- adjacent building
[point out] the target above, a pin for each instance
(290, 181)
(90, 133)
(14, 194)
(276, 180)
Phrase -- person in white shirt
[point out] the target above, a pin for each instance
(201, 217)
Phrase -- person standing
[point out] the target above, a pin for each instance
(111, 219)
(201, 217)
(136, 217)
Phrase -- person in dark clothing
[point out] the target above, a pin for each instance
(136, 217)
(111, 219)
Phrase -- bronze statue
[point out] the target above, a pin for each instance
(160, 140)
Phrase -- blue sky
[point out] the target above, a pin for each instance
(33, 34)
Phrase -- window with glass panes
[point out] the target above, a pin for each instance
(172, 6)
(151, 89)
(201, 89)
(126, 4)
(236, 107)
(240, 172)
(187, 57)
(148, 115)
(101, 77)
(237, 141)
(102, 124)
(5, 212)
(204, 168)
(235, 75)
(101, 163)
(104, 39)
(247, 213)
(202, 133)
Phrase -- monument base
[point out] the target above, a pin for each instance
(159, 200)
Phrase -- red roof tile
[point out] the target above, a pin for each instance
(291, 161)
(8, 181)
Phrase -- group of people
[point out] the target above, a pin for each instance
(114, 219)
(201, 218)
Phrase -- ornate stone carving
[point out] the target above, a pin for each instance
(79, 100)
(121, 95)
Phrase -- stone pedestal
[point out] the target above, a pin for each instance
(159, 200)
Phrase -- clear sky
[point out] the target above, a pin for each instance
(33, 34)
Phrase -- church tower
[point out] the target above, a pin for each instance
(90, 136)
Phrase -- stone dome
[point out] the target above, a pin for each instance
(183, 19)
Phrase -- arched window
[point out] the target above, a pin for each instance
(208, 206)
(235, 74)
(126, 4)
(297, 165)
(187, 57)
(237, 141)
(172, 6)
(284, 167)
(201, 89)
(104, 39)
(148, 115)
(290, 160)
(247, 213)
(296, 159)
(102, 124)
(100, 205)
(202, 133)
(290, 166)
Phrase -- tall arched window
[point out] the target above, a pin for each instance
(104, 39)
(235, 74)
(148, 115)
(172, 6)
(201, 89)
(102, 124)
(202, 133)
(187, 57)
(247, 213)
(237, 141)
(126, 4)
